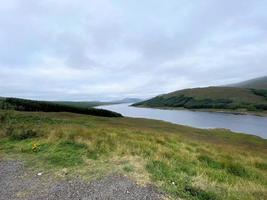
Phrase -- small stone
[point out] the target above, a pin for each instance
(40, 174)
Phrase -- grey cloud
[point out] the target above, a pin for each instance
(99, 49)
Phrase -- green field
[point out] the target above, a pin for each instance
(183, 162)
(224, 98)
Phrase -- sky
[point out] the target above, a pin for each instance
(112, 49)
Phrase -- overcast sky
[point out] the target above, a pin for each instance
(111, 49)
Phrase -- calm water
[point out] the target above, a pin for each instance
(239, 123)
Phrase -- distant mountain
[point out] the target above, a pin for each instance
(82, 104)
(127, 100)
(90, 104)
(257, 83)
(250, 95)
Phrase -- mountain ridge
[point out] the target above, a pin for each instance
(256, 83)
(215, 97)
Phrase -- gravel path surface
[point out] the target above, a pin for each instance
(16, 183)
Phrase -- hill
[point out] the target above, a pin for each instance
(257, 83)
(45, 106)
(230, 98)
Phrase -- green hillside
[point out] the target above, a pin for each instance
(257, 83)
(44, 106)
(212, 98)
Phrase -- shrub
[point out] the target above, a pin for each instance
(261, 107)
(3, 118)
(128, 168)
(237, 170)
(262, 166)
(160, 170)
(71, 144)
(210, 162)
(200, 194)
(9, 131)
(260, 92)
(21, 134)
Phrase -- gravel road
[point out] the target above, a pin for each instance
(17, 183)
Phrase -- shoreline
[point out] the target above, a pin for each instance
(233, 112)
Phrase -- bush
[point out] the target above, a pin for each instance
(128, 168)
(260, 92)
(261, 107)
(200, 194)
(237, 170)
(262, 166)
(3, 118)
(210, 162)
(21, 134)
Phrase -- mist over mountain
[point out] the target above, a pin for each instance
(257, 83)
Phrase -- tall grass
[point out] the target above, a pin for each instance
(184, 162)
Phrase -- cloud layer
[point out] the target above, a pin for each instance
(111, 49)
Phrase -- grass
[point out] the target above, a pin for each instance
(184, 162)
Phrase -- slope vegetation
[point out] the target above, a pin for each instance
(212, 98)
(37, 106)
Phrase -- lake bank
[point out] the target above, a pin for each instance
(249, 124)
(227, 111)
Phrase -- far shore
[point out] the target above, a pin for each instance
(234, 112)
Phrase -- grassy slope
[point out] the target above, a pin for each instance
(210, 97)
(185, 162)
(235, 94)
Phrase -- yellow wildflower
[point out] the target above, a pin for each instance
(34, 147)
